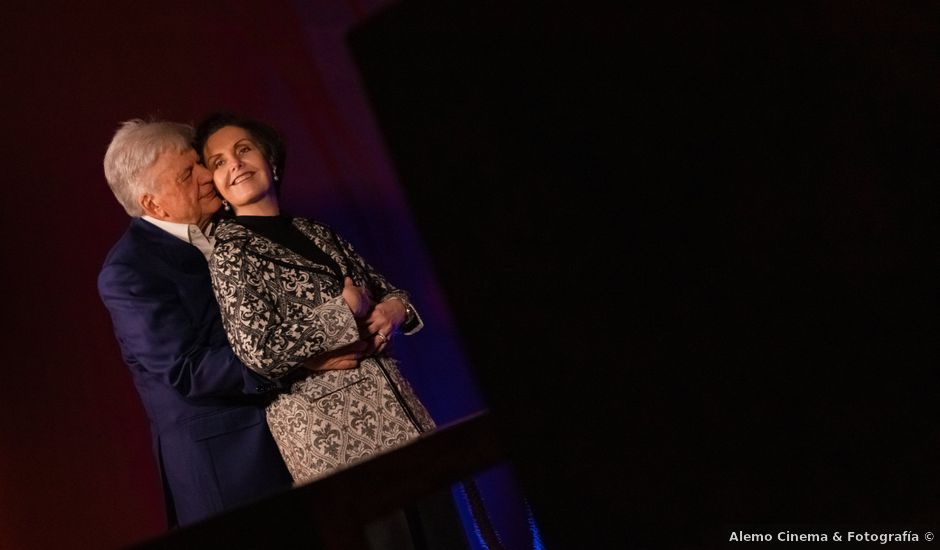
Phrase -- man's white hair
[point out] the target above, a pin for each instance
(135, 148)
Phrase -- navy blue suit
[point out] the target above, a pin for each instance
(206, 410)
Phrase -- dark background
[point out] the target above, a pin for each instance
(692, 248)
(686, 252)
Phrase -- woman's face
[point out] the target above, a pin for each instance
(241, 173)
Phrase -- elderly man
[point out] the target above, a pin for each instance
(206, 410)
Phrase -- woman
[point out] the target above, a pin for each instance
(293, 292)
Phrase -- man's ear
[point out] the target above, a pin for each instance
(150, 207)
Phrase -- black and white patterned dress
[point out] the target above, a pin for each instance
(279, 308)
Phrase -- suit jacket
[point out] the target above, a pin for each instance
(206, 410)
(280, 308)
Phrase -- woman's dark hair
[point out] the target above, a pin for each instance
(267, 138)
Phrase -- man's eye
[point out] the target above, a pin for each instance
(217, 163)
(243, 150)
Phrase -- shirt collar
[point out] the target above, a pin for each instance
(178, 230)
(189, 233)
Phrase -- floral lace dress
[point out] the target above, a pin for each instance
(279, 308)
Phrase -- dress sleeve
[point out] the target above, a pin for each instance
(262, 338)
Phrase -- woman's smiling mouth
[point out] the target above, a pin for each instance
(242, 177)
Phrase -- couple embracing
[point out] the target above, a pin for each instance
(258, 343)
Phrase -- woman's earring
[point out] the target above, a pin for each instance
(274, 172)
(226, 205)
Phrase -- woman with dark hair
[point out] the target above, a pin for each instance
(291, 289)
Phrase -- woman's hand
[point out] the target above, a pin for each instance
(384, 320)
(357, 298)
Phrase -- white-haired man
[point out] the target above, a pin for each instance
(206, 410)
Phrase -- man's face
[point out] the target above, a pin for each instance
(183, 190)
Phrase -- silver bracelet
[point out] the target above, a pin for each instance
(409, 311)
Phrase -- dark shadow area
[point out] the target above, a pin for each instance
(691, 249)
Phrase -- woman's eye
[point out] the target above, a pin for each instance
(243, 150)
(217, 163)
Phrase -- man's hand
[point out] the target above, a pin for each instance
(346, 357)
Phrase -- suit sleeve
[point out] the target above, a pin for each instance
(266, 340)
(377, 284)
(158, 335)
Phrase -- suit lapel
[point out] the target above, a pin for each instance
(326, 243)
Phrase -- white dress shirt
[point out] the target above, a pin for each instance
(189, 233)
